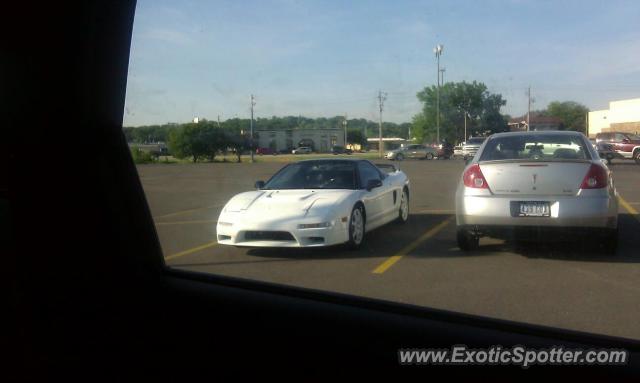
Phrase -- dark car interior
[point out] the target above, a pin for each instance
(88, 293)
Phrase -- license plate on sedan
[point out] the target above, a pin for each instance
(531, 209)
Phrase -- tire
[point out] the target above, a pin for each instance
(400, 157)
(357, 224)
(609, 244)
(466, 240)
(636, 156)
(429, 156)
(403, 211)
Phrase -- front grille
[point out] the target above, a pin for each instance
(268, 236)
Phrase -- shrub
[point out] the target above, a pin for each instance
(141, 156)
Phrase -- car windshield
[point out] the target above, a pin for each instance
(633, 137)
(315, 175)
(542, 147)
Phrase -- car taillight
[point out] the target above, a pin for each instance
(596, 178)
(473, 178)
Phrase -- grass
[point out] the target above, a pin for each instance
(267, 158)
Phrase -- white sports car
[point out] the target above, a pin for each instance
(316, 203)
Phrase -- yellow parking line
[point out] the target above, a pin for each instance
(437, 211)
(186, 211)
(384, 266)
(626, 205)
(185, 222)
(192, 250)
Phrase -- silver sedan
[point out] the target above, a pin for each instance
(412, 151)
(527, 185)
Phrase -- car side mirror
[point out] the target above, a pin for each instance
(259, 184)
(372, 184)
(625, 141)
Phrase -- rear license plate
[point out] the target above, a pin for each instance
(531, 209)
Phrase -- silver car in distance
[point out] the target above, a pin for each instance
(529, 185)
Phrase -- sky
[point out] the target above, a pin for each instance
(328, 57)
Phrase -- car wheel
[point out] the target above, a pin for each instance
(466, 240)
(609, 243)
(356, 228)
(636, 156)
(403, 212)
(429, 156)
(400, 157)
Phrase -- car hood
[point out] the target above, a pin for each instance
(276, 204)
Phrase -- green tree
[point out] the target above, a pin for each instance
(571, 113)
(197, 140)
(481, 107)
(355, 136)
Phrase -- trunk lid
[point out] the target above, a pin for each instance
(535, 178)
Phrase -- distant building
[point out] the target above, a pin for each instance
(536, 123)
(320, 140)
(622, 116)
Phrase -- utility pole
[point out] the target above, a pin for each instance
(218, 121)
(382, 96)
(529, 107)
(344, 123)
(586, 125)
(438, 51)
(253, 103)
(442, 70)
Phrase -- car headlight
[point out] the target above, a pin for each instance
(315, 225)
(225, 223)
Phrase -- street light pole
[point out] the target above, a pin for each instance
(253, 103)
(438, 51)
(465, 127)
(382, 96)
(528, 108)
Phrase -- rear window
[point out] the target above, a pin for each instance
(475, 141)
(633, 137)
(543, 147)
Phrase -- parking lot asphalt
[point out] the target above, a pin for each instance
(569, 285)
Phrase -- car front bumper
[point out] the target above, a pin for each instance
(280, 234)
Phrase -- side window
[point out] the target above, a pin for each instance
(619, 137)
(367, 172)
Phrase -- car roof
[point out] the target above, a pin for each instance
(333, 160)
(538, 132)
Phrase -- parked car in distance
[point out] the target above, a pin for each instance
(471, 146)
(261, 151)
(412, 151)
(340, 150)
(301, 150)
(531, 185)
(445, 151)
(605, 150)
(457, 151)
(625, 145)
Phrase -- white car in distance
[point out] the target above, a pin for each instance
(301, 150)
